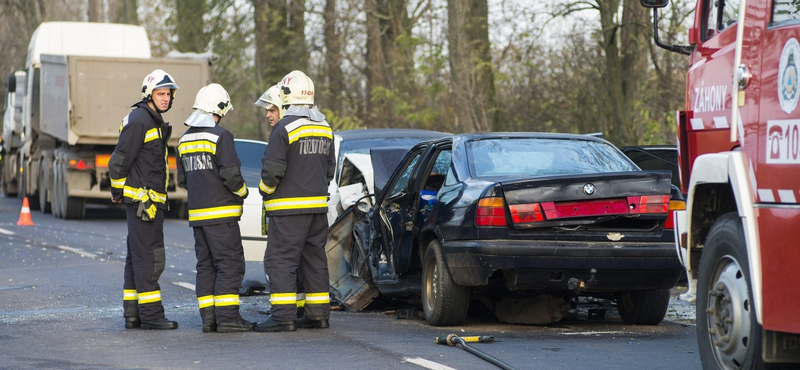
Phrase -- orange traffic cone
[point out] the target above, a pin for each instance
(25, 214)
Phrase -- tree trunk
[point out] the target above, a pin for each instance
(391, 88)
(333, 58)
(280, 43)
(375, 71)
(95, 11)
(189, 25)
(623, 45)
(296, 37)
(123, 11)
(471, 65)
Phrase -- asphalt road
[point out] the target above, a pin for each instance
(60, 308)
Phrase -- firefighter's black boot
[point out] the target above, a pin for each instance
(160, 324)
(235, 326)
(308, 323)
(209, 319)
(272, 325)
(132, 323)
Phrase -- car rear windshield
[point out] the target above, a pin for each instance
(543, 157)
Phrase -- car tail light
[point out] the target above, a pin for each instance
(525, 213)
(491, 212)
(674, 205)
(649, 204)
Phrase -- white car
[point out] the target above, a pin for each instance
(250, 152)
(353, 144)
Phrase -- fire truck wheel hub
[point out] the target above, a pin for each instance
(729, 314)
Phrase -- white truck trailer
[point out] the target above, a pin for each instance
(64, 112)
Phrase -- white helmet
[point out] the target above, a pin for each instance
(272, 97)
(297, 88)
(213, 99)
(158, 79)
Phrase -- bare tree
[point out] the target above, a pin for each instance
(471, 64)
(189, 25)
(623, 42)
(333, 57)
(123, 11)
(390, 67)
(95, 11)
(375, 68)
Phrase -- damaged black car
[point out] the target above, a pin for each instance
(508, 219)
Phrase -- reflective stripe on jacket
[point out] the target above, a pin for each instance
(139, 161)
(209, 169)
(297, 165)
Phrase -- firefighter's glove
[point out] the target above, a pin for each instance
(147, 209)
(264, 221)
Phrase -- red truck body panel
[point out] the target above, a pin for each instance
(769, 138)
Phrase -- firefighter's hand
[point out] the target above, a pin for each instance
(116, 200)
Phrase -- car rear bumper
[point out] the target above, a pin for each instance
(544, 265)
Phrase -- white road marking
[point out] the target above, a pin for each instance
(426, 364)
(593, 332)
(7, 232)
(78, 251)
(184, 285)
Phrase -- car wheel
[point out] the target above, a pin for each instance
(728, 334)
(643, 307)
(444, 302)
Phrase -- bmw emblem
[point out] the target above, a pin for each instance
(588, 189)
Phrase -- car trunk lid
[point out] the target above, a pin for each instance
(595, 199)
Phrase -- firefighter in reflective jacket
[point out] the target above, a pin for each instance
(209, 169)
(297, 166)
(139, 175)
(272, 101)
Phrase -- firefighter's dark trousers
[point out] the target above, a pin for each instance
(298, 241)
(144, 264)
(220, 269)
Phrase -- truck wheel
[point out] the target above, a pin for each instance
(74, 207)
(22, 184)
(728, 334)
(69, 208)
(9, 182)
(43, 184)
(55, 196)
(643, 307)
(178, 209)
(444, 302)
(7, 190)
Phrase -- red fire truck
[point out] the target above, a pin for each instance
(739, 145)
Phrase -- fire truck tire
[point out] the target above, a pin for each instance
(444, 302)
(728, 334)
(643, 307)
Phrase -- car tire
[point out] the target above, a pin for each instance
(444, 302)
(728, 334)
(643, 307)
